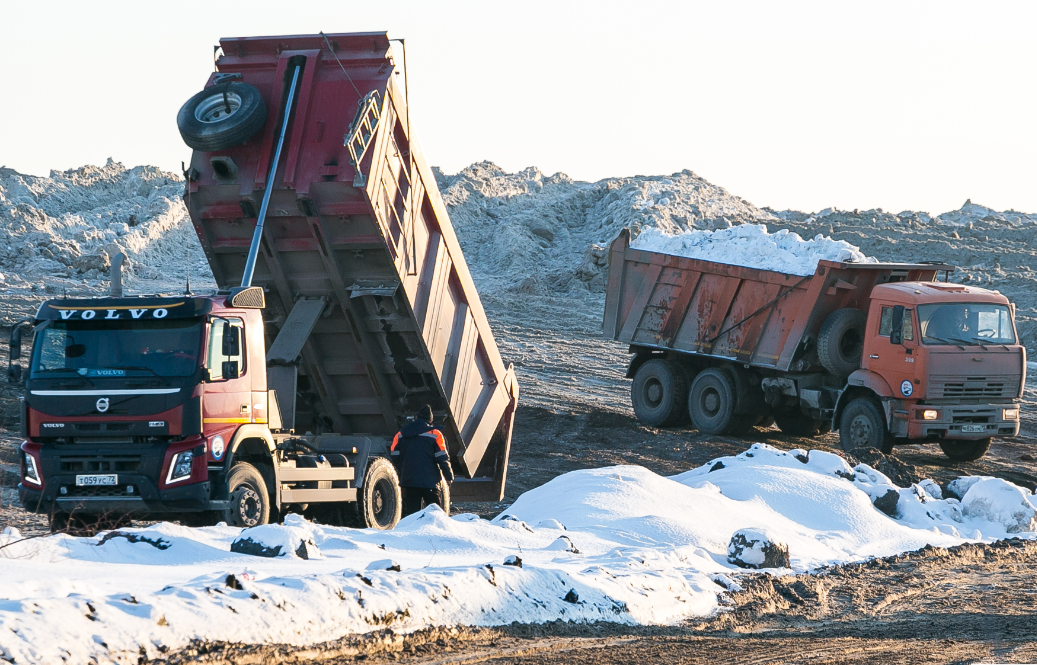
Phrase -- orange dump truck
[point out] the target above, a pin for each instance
(881, 352)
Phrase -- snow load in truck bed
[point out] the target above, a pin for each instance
(751, 246)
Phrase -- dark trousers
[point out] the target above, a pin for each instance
(416, 498)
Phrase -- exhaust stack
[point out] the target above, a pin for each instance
(116, 272)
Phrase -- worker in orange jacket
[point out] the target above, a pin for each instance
(420, 456)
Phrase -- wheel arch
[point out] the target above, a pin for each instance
(863, 383)
(255, 445)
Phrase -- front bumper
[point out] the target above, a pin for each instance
(963, 422)
(145, 500)
(138, 469)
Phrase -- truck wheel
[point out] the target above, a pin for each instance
(221, 116)
(711, 401)
(965, 451)
(840, 343)
(379, 502)
(796, 423)
(249, 500)
(658, 393)
(863, 426)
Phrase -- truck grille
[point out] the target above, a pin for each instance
(959, 386)
(109, 491)
(125, 464)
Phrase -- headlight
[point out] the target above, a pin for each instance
(32, 474)
(1010, 414)
(930, 414)
(180, 467)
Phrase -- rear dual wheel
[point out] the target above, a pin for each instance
(711, 403)
(379, 501)
(796, 423)
(658, 393)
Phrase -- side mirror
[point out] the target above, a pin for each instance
(896, 331)
(14, 370)
(232, 340)
(230, 369)
(15, 352)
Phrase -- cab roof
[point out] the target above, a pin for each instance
(919, 293)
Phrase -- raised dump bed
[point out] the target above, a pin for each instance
(358, 257)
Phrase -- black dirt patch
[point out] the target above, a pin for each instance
(901, 473)
(251, 547)
(887, 503)
(157, 543)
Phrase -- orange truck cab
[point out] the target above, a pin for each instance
(946, 362)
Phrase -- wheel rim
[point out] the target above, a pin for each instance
(710, 402)
(860, 431)
(249, 506)
(383, 502)
(851, 344)
(214, 108)
(653, 392)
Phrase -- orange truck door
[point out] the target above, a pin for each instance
(894, 362)
(228, 401)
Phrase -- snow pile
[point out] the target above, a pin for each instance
(60, 232)
(546, 234)
(616, 544)
(751, 246)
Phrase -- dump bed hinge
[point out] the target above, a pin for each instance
(373, 288)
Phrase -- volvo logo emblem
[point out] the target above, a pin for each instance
(102, 404)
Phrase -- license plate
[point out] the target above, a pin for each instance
(973, 428)
(100, 479)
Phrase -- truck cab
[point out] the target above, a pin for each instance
(135, 406)
(946, 363)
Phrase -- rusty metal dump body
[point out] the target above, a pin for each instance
(356, 222)
(761, 318)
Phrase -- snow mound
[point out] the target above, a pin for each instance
(751, 246)
(59, 233)
(542, 234)
(636, 548)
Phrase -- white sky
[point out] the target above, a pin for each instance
(804, 105)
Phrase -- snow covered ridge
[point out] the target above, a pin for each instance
(60, 232)
(618, 544)
(751, 246)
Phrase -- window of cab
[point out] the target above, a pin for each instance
(886, 323)
(216, 358)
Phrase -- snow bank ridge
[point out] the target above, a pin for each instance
(751, 246)
(617, 544)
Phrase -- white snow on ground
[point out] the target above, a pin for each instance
(750, 245)
(619, 544)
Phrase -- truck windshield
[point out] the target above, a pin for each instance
(969, 323)
(118, 348)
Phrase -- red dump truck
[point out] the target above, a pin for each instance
(344, 305)
(881, 352)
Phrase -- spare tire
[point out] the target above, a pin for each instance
(840, 344)
(221, 116)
